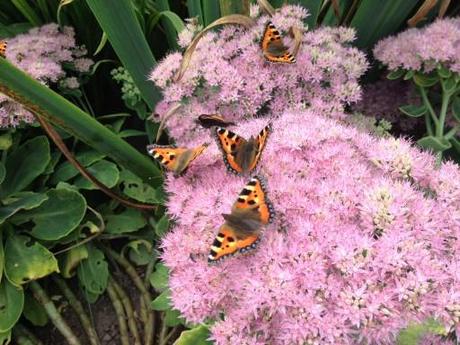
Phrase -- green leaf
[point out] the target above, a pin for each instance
(443, 71)
(34, 311)
(11, 304)
(106, 172)
(412, 334)
(2, 255)
(133, 187)
(211, 11)
(173, 318)
(449, 85)
(66, 170)
(93, 273)
(129, 220)
(120, 24)
(161, 302)
(195, 10)
(22, 201)
(159, 279)
(139, 251)
(162, 226)
(72, 259)
(5, 337)
(456, 108)
(413, 110)
(22, 167)
(27, 260)
(83, 126)
(27, 11)
(435, 144)
(57, 216)
(425, 80)
(409, 74)
(102, 44)
(6, 140)
(396, 74)
(2, 172)
(196, 336)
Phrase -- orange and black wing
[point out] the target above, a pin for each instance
(261, 141)
(211, 120)
(273, 48)
(3, 46)
(230, 143)
(176, 159)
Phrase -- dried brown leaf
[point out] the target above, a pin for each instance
(422, 12)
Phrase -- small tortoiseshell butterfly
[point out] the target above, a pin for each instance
(175, 159)
(3, 46)
(212, 120)
(273, 48)
(241, 229)
(240, 155)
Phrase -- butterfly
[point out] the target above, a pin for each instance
(211, 120)
(273, 48)
(3, 46)
(175, 159)
(241, 156)
(241, 229)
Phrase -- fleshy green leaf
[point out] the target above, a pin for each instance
(2, 172)
(444, 72)
(396, 74)
(161, 302)
(196, 336)
(106, 172)
(139, 251)
(435, 144)
(456, 108)
(413, 110)
(34, 311)
(5, 337)
(133, 187)
(72, 259)
(66, 171)
(159, 279)
(449, 85)
(11, 304)
(93, 273)
(25, 164)
(22, 201)
(27, 260)
(173, 318)
(162, 226)
(57, 216)
(128, 221)
(409, 74)
(425, 80)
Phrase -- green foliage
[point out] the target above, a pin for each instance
(196, 336)
(93, 273)
(129, 220)
(11, 304)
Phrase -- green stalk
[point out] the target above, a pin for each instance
(46, 103)
(442, 115)
(41, 296)
(119, 312)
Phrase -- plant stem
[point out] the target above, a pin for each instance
(427, 103)
(163, 332)
(128, 309)
(120, 313)
(442, 115)
(170, 334)
(146, 313)
(78, 307)
(41, 296)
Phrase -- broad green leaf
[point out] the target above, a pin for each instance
(34, 311)
(412, 334)
(159, 279)
(162, 226)
(211, 11)
(65, 114)
(66, 170)
(6, 140)
(139, 251)
(449, 85)
(435, 144)
(136, 189)
(195, 10)
(93, 273)
(57, 216)
(11, 304)
(172, 318)
(196, 336)
(396, 74)
(2, 172)
(23, 201)
(125, 35)
(27, 11)
(456, 108)
(26, 260)
(14, 29)
(25, 164)
(104, 171)
(443, 71)
(425, 80)
(129, 220)
(409, 74)
(72, 259)
(5, 337)
(161, 302)
(413, 110)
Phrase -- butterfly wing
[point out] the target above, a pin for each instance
(212, 120)
(173, 158)
(261, 141)
(273, 48)
(241, 230)
(3, 46)
(230, 144)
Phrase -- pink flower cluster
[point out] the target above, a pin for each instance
(422, 49)
(366, 241)
(228, 74)
(42, 52)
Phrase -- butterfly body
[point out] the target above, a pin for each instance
(241, 156)
(175, 159)
(273, 48)
(241, 229)
(3, 46)
(211, 120)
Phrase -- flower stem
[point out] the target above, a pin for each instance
(41, 296)
(78, 307)
(427, 103)
(119, 312)
(442, 115)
